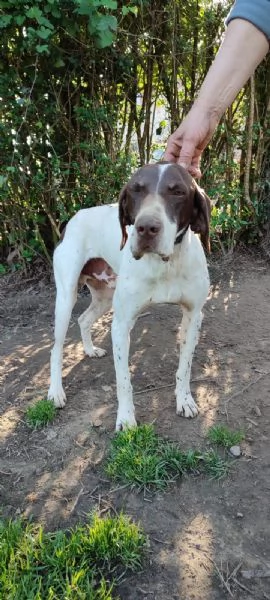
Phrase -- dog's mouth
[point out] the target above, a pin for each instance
(138, 254)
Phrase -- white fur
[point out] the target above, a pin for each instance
(183, 280)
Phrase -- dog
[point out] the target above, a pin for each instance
(142, 251)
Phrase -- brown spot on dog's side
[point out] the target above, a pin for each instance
(98, 273)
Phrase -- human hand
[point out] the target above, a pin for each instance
(186, 144)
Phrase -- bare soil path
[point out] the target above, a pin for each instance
(201, 531)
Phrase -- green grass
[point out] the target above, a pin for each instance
(72, 565)
(221, 435)
(139, 457)
(40, 414)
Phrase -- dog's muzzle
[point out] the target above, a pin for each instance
(148, 232)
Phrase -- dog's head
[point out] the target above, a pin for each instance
(161, 201)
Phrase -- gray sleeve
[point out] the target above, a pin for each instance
(255, 11)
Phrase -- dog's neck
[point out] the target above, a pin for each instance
(180, 234)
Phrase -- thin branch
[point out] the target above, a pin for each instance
(26, 110)
(167, 385)
(250, 124)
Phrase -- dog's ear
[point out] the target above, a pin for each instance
(124, 216)
(200, 219)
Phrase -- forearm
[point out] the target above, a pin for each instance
(243, 49)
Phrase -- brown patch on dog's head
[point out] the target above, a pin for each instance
(184, 201)
(132, 196)
(201, 216)
(177, 190)
(124, 215)
(187, 202)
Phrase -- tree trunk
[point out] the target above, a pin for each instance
(250, 124)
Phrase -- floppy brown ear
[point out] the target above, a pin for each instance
(201, 216)
(124, 216)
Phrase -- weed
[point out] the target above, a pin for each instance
(40, 414)
(139, 457)
(71, 565)
(214, 465)
(221, 435)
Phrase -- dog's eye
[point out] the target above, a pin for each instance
(138, 186)
(174, 190)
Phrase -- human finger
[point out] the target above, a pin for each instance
(187, 154)
(172, 151)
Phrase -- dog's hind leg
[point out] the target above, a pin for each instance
(65, 300)
(101, 303)
(66, 278)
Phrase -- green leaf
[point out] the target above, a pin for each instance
(5, 20)
(129, 9)
(3, 269)
(43, 21)
(34, 13)
(42, 49)
(59, 63)
(3, 180)
(31, 32)
(56, 13)
(111, 4)
(84, 8)
(105, 39)
(107, 22)
(19, 20)
(44, 33)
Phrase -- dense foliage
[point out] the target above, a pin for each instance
(82, 85)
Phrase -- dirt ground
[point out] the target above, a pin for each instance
(201, 531)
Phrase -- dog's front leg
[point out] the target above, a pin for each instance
(189, 335)
(121, 342)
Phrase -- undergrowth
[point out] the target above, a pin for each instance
(139, 457)
(40, 414)
(221, 435)
(80, 564)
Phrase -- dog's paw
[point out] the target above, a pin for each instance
(58, 397)
(186, 407)
(125, 421)
(95, 352)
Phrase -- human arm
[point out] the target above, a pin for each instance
(243, 48)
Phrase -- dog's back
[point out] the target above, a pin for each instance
(91, 233)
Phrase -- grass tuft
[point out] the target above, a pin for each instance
(221, 435)
(214, 465)
(72, 565)
(140, 458)
(40, 414)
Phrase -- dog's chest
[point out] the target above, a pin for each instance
(183, 279)
(165, 282)
(170, 286)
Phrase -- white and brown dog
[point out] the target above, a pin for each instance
(140, 252)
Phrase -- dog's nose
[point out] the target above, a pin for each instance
(148, 228)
